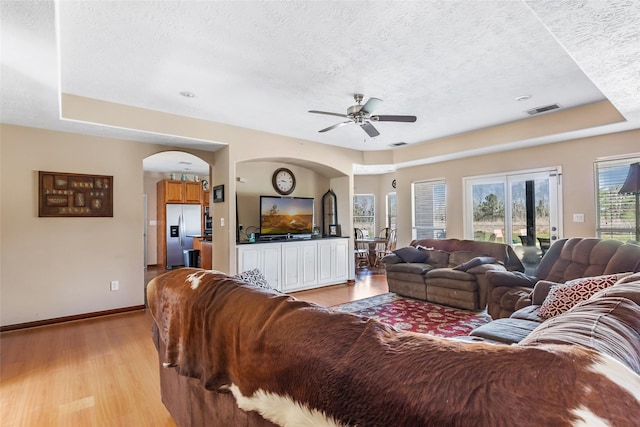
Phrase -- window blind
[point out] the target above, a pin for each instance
(429, 209)
(615, 212)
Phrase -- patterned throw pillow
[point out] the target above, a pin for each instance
(564, 296)
(254, 277)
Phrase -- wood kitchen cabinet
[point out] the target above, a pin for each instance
(180, 191)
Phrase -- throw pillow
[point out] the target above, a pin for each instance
(474, 262)
(437, 258)
(254, 277)
(564, 296)
(411, 254)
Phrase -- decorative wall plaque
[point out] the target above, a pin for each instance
(72, 194)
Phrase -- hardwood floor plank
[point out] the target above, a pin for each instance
(104, 371)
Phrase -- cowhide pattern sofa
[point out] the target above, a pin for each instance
(233, 354)
(448, 271)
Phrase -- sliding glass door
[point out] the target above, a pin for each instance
(521, 209)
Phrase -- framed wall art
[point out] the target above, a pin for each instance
(62, 194)
(218, 194)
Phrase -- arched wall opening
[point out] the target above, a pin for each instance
(167, 165)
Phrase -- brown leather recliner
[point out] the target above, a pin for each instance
(567, 259)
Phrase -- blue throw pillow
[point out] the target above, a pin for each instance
(411, 254)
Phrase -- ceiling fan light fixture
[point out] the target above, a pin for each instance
(361, 115)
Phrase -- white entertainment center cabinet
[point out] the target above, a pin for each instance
(295, 265)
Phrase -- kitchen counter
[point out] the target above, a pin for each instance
(205, 246)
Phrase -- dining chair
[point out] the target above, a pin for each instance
(545, 244)
(361, 249)
(385, 248)
(384, 233)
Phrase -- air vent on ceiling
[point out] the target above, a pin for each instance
(398, 144)
(539, 110)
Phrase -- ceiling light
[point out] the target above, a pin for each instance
(187, 94)
(523, 97)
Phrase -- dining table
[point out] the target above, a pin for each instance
(372, 257)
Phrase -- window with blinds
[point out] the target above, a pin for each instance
(429, 209)
(615, 212)
(364, 213)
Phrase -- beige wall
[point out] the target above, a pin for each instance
(380, 186)
(54, 267)
(576, 158)
(258, 183)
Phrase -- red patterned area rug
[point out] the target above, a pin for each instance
(417, 316)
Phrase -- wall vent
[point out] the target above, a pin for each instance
(398, 144)
(539, 110)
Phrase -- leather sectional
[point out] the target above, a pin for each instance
(567, 259)
(451, 271)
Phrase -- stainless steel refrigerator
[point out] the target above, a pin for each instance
(183, 222)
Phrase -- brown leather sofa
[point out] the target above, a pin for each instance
(567, 259)
(453, 272)
(608, 322)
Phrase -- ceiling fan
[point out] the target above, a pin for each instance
(361, 115)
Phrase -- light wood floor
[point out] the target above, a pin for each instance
(104, 371)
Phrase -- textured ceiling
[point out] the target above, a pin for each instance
(457, 65)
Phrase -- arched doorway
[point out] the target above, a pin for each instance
(166, 165)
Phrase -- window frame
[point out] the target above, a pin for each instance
(389, 214)
(440, 203)
(618, 168)
(373, 207)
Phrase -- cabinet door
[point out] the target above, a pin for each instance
(248, 258)
(299, 265)
(270, 264)
(325, 255)
(333, 261)
(341, 259)
(309, 264)
(291, 259)
(192, 192)
(173, 192)
(205, 198)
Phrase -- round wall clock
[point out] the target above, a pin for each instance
(393, 183)
(284, 181)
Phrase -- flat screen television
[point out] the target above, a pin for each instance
(285, 215)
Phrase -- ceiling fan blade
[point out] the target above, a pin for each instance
(336, 126)
(371, 105)
(328, 113)
(370, 129)
(408, 119)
